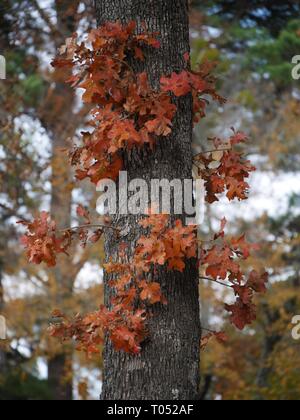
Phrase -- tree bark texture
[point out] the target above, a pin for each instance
(168, 366)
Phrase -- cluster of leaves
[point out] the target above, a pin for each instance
(199, 83)
(125, 321)
(126, 111)
(43, 241)
(116, 95)
(165, 245)
(225, 169)
(220, 264)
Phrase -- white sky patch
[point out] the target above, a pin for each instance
(207, 32)
(35, 135)
(92, 377)
(89, 275)
(19, 286)
(213, 32)
(42, 368)
(2, 152)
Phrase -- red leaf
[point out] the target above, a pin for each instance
(241, 246)
(244, 293)
(258, 282)
(238, 137)
(124, 339)
(42, 242)
(138, 53)
(242, 314)
(151, 292)
(159, 126)
(186, 57)
(179, 84)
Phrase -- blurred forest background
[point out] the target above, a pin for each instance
(254, 43)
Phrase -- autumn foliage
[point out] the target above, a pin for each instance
(221, 264)
(225, 169)
(126, 113)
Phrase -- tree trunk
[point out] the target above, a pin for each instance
(60, 365)
(168, 366)
(59, 377)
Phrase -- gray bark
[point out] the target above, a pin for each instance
(168, 366)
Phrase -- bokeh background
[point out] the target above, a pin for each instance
(254, 43)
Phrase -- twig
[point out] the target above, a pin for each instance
(45, 17)
(208, 330)
(216, 281)
(100, 226)
(118, 60)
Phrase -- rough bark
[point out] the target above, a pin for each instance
(168, 366)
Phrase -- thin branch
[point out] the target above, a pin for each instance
(203, 241)
(13, 212)
(118, 60)
(45, 17)
(215, 281)
(208, 330)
